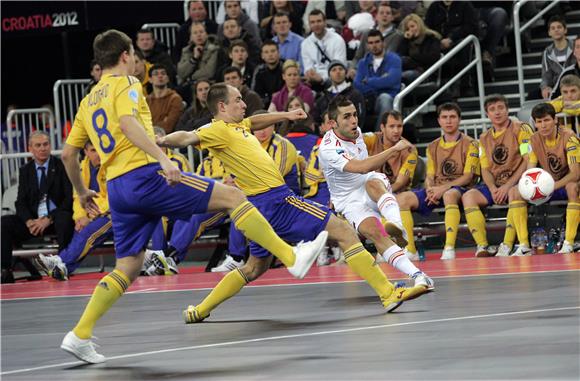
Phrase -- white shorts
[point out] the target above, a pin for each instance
(359, 206)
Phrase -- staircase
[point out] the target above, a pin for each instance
(505, 81)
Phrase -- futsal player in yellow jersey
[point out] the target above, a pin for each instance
(228, 137)
(144, 185)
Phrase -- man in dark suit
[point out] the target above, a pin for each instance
(43, 204)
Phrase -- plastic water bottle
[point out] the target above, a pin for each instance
(553, 237)
(421, 247)
(539, 240)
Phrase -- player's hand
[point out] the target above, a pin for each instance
(500, 195)
(81, 223)
(88, 203)
(402, 145)
(351, 73)
(446, 43)
(297, 114)
(546, 91)
(172, 173)
(160, 141)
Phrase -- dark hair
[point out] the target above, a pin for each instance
(556, 18)
(145, 31)
(449, 106)
(269, 43)
(108, 47)
(542, 109)
(217, 93)
(196, 1)
(281, 14)
(317, 12)
(233, 69)
(238, 43)
(157, 67)
(393, 114)
(93, 64)
(493, 98)
(375, 33)
(140, 54)
(338, 101)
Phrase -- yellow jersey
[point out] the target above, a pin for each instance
(211, 167)
(180, 161)
(102, 201)
(242, 155)
(471, 158)
(98, 117)
(524, 135)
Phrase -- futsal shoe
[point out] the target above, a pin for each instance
(159, 265)
(448, 253)
(522, 251)
(412, 256)
(52, 265)
(191, 315)
(401, 294)
(83, 349)
(503, 250)
(228, 265)
(421, 279)
(483, 252)
(567, 248)
(306, 253)
(172, 265)
(396, 233)
(323, 259)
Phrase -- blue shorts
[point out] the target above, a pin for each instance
(322, 196)
(293, 218)
(425, 209)
(559, 195)
(484, 190)
(139, 198)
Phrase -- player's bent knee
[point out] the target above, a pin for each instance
(451, 197)
(514, 194)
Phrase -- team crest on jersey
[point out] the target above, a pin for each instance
(134, 95)
(556, 166)
(500, 154)
(448, 167)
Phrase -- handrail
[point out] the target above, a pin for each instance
(471, 39)
(518, 39)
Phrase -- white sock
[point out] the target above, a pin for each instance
(389, 209)
(397, 258)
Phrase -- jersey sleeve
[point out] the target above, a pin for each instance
(409, 166)
(78, 135)
(524, 134)
(532, 158)
(573, 151)
(472, 159)
(430, 164)
(369, 139)
(483, 161)
(128, 96)
(336, 157)
(213, 135)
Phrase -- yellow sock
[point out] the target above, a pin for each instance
(476, 225)
(519, 211)
(255, 227)
(109, 289)
(362, 263)
(229, 286)
(407, 219)
(510, 231)
(452, 218)
(572, 219)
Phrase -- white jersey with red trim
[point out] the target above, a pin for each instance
(334, 153)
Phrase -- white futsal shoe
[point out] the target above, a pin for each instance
(503, 250)
(448, 253)
(228, 265)
(83, 349)
(306, 253)
(522, 251)
(567, 248)
(421, 279)
(412, 256)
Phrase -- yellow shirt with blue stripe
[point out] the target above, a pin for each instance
(283, 152)
(241, 154)
(98, 118)
(179, 160)
(102, 201)
(211, 167)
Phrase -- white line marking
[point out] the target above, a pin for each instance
(284, 337)
(145, 291)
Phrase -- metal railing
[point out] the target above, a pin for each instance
(570, 121)
(518, 39)
(164, 32)
(9, 172)
(468, 41)
(67, 95)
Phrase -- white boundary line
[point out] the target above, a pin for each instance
(284, 337)
(149, 290)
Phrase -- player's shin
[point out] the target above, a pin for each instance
(362, 263)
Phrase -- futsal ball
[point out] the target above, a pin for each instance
(536, 186)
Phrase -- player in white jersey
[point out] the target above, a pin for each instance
(360, 194)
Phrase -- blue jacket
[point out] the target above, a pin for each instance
(387, 79)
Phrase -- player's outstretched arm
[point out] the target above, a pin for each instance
(262, 121)
(178, 139)
(373, 162)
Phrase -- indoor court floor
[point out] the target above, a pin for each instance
(489, 318)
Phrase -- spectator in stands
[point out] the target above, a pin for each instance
(197, 114)
(334, 11)
(339, 86)
(282, 152)
(454, 20)
(378, 76)
(319, 48)
(95, 76)
(289, 43)
(502, 165)
(569, 101)
(572, 69)
(234, 12)
(197, 13)
(155, 52)
(233, 32)
(293, 9)
(90, 230)
(199, 59)
(233, 77)
(165, 104)
(293, 103)
(557, 56)
(362, 6)
(299, 132)
(292, 86)
(43, 204)
(399, 168)
(420, 48)
(557, 151)
(250, 8)
(496, 21)
(268, 75)
(452, 166)
(238, 57)
(142, 72)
